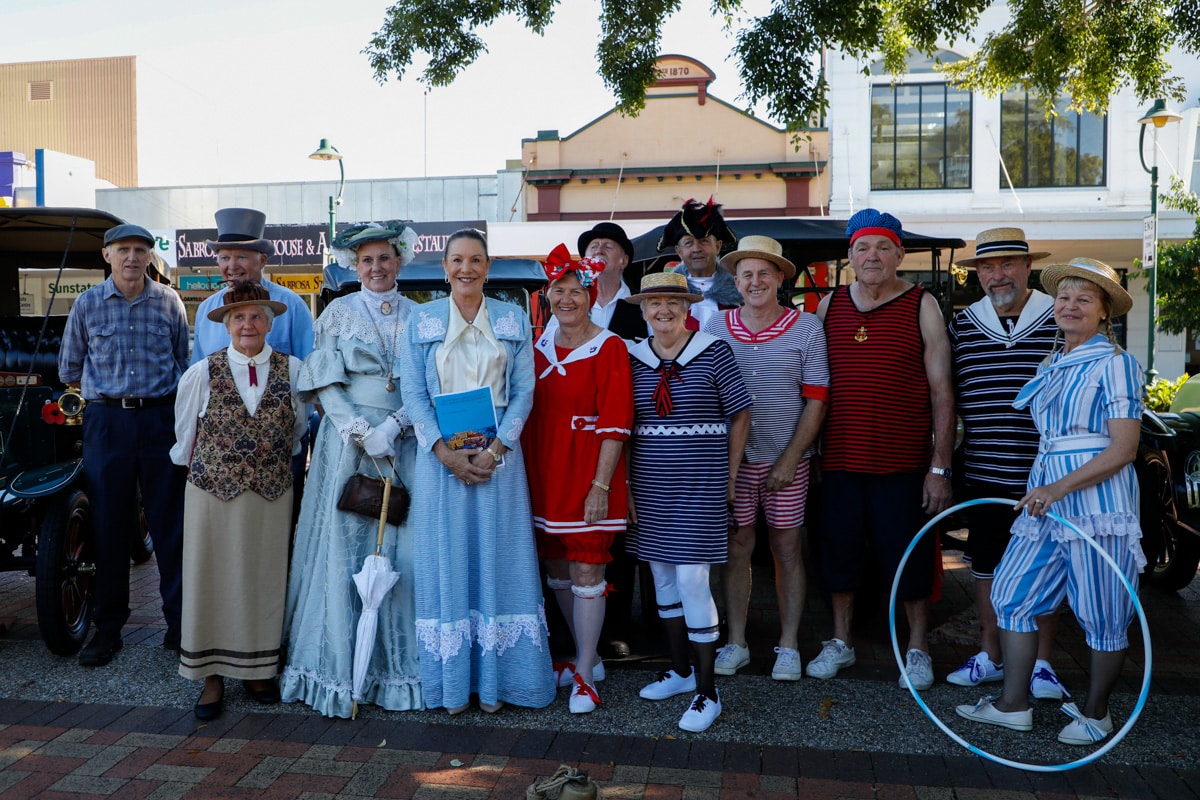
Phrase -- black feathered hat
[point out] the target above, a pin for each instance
(698, 220)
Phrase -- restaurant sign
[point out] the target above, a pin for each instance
(306, 245)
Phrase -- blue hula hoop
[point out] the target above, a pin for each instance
(1137, 605)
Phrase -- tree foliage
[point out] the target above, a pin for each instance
(1082, 49)
(1179, 285)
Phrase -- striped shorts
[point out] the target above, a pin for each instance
(1035, 574)
(783, 509)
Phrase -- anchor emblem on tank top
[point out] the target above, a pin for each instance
(861, 334)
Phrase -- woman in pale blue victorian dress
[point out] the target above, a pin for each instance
(480, 619)
(353, 373)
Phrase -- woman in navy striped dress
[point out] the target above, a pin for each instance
(691, 421)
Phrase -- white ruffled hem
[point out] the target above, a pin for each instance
(1123, 524)
(444, 641)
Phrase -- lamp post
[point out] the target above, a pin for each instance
(1158, 115)
(327, 152)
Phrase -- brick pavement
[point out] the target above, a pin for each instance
(83, 750)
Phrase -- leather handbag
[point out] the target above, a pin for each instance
(363, 495)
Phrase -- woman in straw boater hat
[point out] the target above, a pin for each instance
(782, 357)
(683, 465)
(996, 344)
(1086, 401)
(238, 422)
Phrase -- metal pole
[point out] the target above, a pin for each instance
(1152, 286)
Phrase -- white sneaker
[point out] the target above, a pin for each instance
(584, 698)
(564, 673)
(700, 714)
(787, 665)
(988, 714)
(1084, 730)
(919, 667)
(833, 656)
(977, 669)
(668, 684)
(731, 658)
(1044, 683)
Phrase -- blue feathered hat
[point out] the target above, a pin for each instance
(872, 222)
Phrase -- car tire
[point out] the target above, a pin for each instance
(66, 569)
(141, 546)
(1172, 554)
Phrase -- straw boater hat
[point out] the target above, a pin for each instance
(245, 293)
(763, 247)
(241, 229)
(664, 284)
(1092, 270)
(997, 242)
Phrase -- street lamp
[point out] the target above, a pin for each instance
(1158, 116)
(327, 152)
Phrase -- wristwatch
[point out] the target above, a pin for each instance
(495, 456)
(942, 472)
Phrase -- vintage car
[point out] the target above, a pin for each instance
(1169, 475)
(45, 518)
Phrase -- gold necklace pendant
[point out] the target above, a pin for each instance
(386, 308)
(861, 334)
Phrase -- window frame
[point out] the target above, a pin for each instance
(922, 96)
(1020, 179)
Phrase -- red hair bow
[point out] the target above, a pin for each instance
(559, 263)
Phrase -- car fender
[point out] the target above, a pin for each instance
(44, 481)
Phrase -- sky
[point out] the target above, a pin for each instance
(242, 91)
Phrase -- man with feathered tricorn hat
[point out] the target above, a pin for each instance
(698, 232)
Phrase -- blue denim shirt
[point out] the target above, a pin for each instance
(117, 348)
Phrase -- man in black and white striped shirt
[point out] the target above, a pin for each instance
(997, 344)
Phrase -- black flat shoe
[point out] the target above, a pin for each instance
(100, 650)
(207, 712)
(268, 697)
(171, 639)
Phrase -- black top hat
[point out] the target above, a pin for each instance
(698, 220)
(241, 229)
(606, 230)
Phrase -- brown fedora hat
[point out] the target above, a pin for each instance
(245, 293)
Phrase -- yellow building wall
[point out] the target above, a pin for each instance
(91, 112)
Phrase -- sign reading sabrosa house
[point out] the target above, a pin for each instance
(306, 245)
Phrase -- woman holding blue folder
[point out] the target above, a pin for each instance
(480, 620)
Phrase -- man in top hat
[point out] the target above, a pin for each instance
(996, 345)
(125, 345)
(242, 254)
(698, 232)
(607, 241)
(890, 396)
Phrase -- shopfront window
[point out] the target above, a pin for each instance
(920, 137)
(1065, 149)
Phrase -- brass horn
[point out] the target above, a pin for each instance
(71, 404)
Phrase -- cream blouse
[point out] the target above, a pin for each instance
(471, 357)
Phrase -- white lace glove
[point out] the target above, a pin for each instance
(380, 441)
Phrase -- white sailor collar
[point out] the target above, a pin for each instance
(1039, 306)
(699, 342)
(545, 346)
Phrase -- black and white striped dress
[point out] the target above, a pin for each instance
(679, 470)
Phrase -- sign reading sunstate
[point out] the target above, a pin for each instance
(306, 245)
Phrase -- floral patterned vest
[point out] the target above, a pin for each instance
(236, 452)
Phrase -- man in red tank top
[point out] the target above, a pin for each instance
(888, 439)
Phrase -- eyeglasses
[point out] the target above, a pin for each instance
(1006, 266)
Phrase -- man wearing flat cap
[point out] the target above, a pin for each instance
(608, 242)
(125, 345)
(890, 397)
(242, 254)
(698, 232)
(996, 345)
